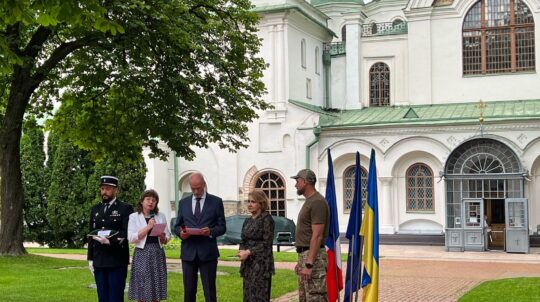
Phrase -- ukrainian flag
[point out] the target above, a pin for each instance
(370, 232)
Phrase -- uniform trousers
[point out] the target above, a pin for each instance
(314, 289)
(111, 282)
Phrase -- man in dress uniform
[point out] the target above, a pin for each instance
(108, 250)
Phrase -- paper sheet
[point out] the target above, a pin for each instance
(158, 229)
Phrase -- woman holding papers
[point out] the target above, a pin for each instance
(147, 229)
(255, 250)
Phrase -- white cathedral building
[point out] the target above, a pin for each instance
(447, 93)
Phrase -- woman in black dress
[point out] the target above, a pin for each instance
(255, 250)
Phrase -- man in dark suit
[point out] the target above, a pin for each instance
(200, 220)
(108, 250)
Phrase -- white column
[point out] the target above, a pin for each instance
(386, 225)
(160, 177)
(420, 61)
(352, 47)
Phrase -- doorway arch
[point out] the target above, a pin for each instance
(480, 176)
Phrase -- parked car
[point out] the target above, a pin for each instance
(284, 230)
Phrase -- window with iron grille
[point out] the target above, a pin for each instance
(419, 188)
(273, 185)
(348, 187)
(498, 37)
(344, 33)
(379, 85)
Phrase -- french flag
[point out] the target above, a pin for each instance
(334, 277)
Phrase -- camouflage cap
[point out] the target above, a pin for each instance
(306, 174)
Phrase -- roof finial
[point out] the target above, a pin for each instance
(481, 106)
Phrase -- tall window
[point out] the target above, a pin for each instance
(308, 88)
(348, 187)
(379, 85)
(419, 188)
(344, 33)
(273, 185)
(303, 52)
(317, 58)
(498, 37)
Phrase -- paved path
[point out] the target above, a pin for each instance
(427, 273)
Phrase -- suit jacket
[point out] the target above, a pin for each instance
(137, 222)
(116, 218)
(212, 216)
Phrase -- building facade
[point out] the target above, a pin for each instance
(446, 92)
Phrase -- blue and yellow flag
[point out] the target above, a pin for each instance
(370, 232)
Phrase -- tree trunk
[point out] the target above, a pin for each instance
(11, 195)
(11, 189)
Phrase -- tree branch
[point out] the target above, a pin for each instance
(36, 43)
(59, 54)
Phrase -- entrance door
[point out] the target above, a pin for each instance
(474, 224)
(517, 225)
(495, 226)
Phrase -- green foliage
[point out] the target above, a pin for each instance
(74, 188)
(130, 174)
(185, 72)
(516, 289)
(67, 205)
(35, 188)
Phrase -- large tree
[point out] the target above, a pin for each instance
(184, 72)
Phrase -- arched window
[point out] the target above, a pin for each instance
(419, 188)
(397, 23)
(317, 58)
(273, 185)
(374, 28)
(344, 33)
(379, 85)
(303, 52)
(348, 187)
(498, 37)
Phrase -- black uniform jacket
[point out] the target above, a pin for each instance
(116, 219)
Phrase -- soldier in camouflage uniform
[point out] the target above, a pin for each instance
(311, 229)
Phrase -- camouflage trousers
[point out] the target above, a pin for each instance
(313, 290)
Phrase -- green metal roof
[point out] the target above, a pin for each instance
(449, 114)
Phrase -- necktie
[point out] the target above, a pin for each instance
(198, 208)
(105, 208)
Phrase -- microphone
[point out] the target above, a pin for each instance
(152, 214)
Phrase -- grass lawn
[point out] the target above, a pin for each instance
(172, 250)
(33, 278)
(516, 289)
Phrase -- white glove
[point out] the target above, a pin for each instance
(101, 240)
(91, 266)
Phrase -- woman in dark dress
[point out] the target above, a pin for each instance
(255, 250)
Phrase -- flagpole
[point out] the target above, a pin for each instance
(358, 279)
(351, 267)
(336, 271)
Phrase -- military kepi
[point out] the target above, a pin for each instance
(109, 181)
